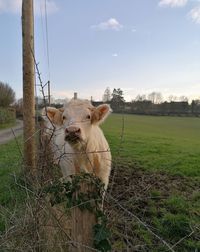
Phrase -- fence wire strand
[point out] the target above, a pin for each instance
(112, 200)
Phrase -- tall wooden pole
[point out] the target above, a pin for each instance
(28, 86)
(49, 94)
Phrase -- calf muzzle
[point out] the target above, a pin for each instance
(72, 134)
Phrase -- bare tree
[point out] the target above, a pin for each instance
(107, 95)
(140, 97)
(155, 97)
(7, 95)
(183, 98)
(172, 98)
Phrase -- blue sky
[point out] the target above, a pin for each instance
(139, 46)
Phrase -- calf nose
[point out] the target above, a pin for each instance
(72, 134)
(73, 130)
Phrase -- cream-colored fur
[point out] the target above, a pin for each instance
(62, 152)
(92, 153)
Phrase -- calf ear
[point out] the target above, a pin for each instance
(53, 114)
(100, 113)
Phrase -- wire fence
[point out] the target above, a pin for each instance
(129, 204)
(126, 205)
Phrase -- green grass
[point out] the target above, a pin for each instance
(158, 148)
(7, 125)
(167, 148)
(176, 217)
(10, 165)
(170, 144)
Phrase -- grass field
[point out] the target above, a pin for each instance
(7, 125)
(157, 164)
(155, 176)
(10, 165)
(170, 144)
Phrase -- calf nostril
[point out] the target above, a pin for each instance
(78, 131)
(66, 131)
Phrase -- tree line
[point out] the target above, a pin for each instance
(151, 104)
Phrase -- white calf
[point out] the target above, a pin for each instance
(78, 140)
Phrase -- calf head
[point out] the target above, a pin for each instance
(77, 119)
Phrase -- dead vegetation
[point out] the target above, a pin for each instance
(153, 211)
(142, 215)
(144, 211)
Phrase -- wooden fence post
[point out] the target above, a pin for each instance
(28, 86)
(83, 222)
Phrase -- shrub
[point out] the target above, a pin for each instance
(7, 115)
(7, 95)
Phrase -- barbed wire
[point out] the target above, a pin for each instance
(30, 193)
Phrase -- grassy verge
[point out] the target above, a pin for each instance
(7, 125)
(10, 194)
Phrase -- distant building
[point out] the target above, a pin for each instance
(60, 101)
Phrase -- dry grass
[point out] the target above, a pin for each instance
(146, 210)
(153, 211)
(137, 208)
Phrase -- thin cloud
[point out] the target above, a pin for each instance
(114, 55)
(50, 5)
(15, 6)
(194, 14)
(110, 24)
(173, 3)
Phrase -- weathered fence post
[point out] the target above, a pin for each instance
(83, 222)
(53, 223)
(28, 86)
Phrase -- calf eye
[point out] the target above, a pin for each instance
(64, 117)
(88, 117)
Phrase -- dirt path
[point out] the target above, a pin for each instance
(6, 134)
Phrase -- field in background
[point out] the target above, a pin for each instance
(170, 144)
(156, 178)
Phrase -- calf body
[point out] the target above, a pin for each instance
(78, 142)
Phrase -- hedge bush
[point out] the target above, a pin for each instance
(7, 115)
